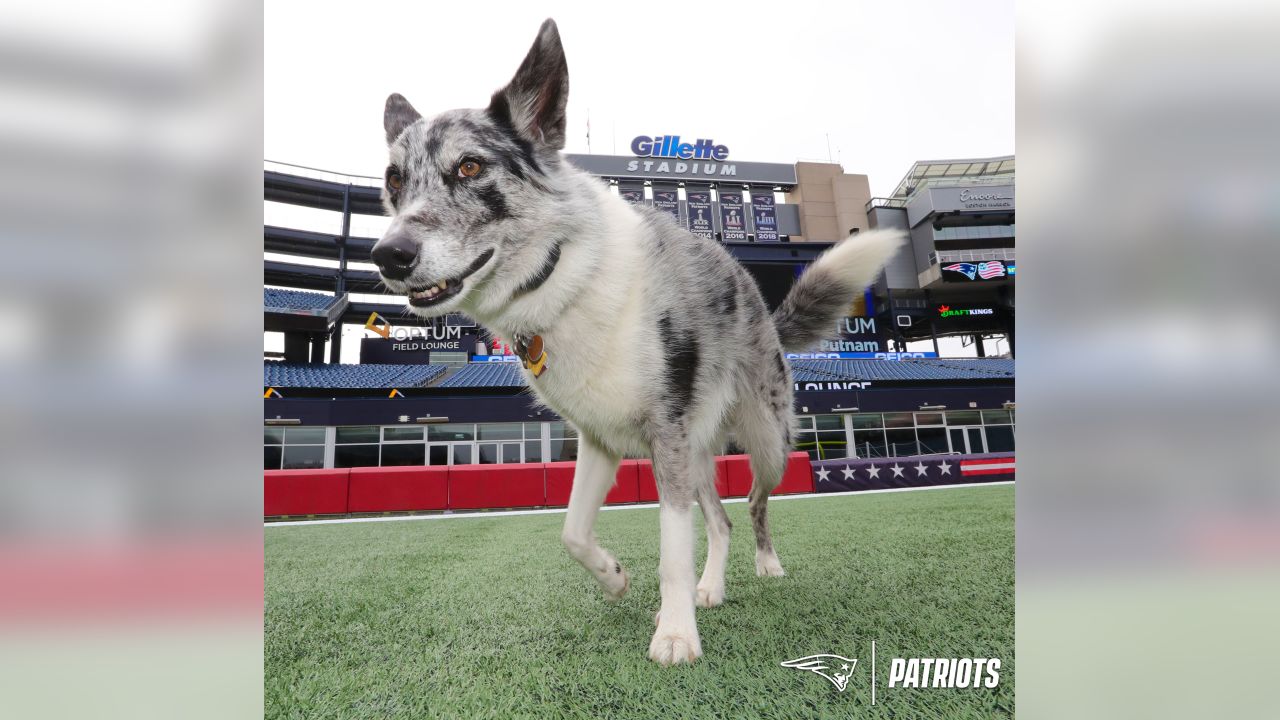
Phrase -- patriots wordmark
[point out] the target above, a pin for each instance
(657, 342)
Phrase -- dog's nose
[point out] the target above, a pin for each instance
(394, 255)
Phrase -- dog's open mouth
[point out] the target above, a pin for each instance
(445, 289)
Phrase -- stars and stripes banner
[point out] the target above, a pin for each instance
(853, 474)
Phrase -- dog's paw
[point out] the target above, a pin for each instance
(767, 565)
(616, 584)
(710, 596)
(672, 646)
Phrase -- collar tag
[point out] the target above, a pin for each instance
(532, 354)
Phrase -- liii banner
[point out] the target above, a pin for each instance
(698, 204)
(668, 200)
(733, 224)
(765, 216)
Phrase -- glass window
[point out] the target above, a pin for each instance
(488, 453)
(829, 422)
(999, 438)
(867, 420)
(995, 417)
(499, 431)
(804, 422)
(271, 457)
(510, 452)
(402, 433)
(902, 442)
(533, 451)
(272, 435)
(928, 419)
(358, 434)
(304, 436)
(964, 417)
(345, 456)
(438, 455)
(462, 454)
(303, 457)
(933, 440)
(452, 432)
(533, 431)
(869, 444)
(398, 454)
(900, 420)
(562, 430)
(562, 450)
(832, 445)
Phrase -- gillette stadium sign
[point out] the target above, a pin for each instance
(669, 146)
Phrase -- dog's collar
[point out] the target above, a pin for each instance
(532, 354)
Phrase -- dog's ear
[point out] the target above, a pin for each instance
(533, 103)
(398, 116)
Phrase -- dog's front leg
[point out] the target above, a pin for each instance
(595, 473)
(676, 639)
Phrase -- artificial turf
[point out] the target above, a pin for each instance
(489, 616)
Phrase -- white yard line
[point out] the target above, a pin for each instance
(552, 511)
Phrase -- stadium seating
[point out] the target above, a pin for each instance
(276, 300)
(913, 369)
(486, 374)
(364, 376)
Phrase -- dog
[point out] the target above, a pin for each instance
(650, 340)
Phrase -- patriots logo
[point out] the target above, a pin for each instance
(968, 269)
(835, 668)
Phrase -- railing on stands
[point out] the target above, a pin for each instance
(1008, 254)
(318, 174)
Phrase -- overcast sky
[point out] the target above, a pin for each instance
(891, 82)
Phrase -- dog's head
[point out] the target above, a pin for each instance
(464, 187)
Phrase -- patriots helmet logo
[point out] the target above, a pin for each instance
(835, 668)
(967, 269)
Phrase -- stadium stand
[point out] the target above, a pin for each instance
(288, 301)
(366, 376)
(491, 374)
(908, 370)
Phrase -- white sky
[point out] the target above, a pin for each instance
(890, 82)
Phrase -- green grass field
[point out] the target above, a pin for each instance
(489, 617)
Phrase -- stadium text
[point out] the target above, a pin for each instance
(682, 168)
(944, 672)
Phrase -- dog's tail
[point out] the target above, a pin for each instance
(822, 294)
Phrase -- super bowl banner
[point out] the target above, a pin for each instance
(733, 224)
(978, 271)
(632, 192)
(764, 216)
(666, 197)
(698, 212)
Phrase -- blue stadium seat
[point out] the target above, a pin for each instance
(365, 377)
(277, 300)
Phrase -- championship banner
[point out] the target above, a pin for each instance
(764, 215)
(978, 271)
(666, 197)
(632, 192)
(698, 211)
(733, 224)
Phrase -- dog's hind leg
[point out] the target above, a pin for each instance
(711, 586)
(676, 470)
(595, 473)
(764, 430)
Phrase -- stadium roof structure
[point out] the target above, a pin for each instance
(362, 377)
(979, 170)
(285, 310)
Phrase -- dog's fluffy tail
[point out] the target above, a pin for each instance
(822, 294)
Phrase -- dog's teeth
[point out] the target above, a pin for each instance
(443, 284)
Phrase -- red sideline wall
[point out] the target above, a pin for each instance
(473, 487)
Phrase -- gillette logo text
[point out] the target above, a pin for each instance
(944, 672)
(669, 146)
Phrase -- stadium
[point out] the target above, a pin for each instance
(373, 417)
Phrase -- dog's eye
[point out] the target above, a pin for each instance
(469, 168)
(394, 181)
